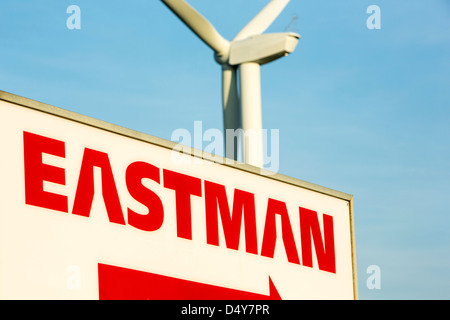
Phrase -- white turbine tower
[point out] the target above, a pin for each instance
(246, 52)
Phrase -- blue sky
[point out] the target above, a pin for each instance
(361, 111)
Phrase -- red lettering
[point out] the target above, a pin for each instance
(85, 188)
(243, 205)
(232, 215)
(309, 227)
(184, 187)
(154, 218)
(270, 233)
(36, 172)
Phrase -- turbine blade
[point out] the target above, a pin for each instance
(231, 111)
(263, 19)
(198, 24)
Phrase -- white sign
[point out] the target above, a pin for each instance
(89, 210)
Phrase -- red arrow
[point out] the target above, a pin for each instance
(117, 283)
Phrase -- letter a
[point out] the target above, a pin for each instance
(374, 280)
(74, 21)
(84, 195)
(374, 21)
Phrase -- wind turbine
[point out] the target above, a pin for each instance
(249, 49)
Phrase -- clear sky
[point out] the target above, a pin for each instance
(363, 111)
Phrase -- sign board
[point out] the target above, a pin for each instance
(90, 210)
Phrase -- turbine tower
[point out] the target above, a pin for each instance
(249, 49)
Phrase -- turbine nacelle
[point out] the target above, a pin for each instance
(262, 48)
